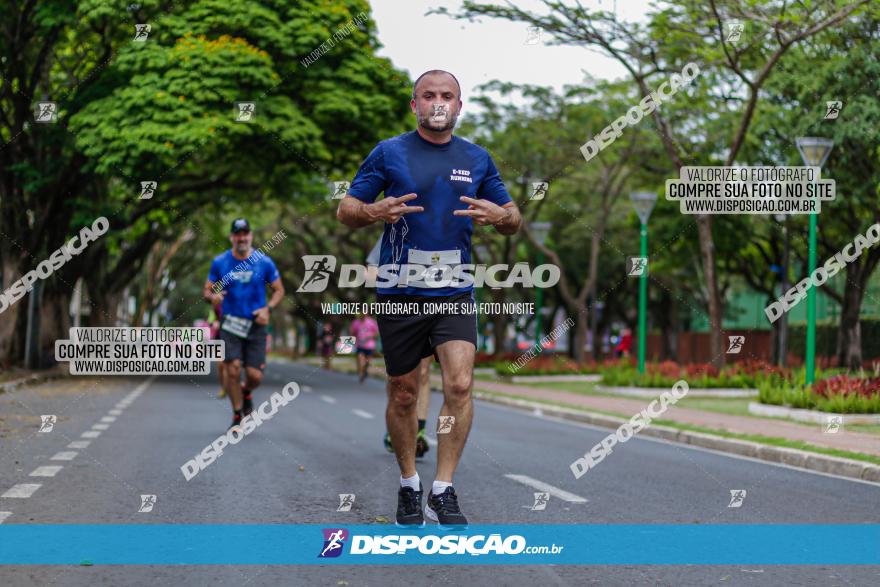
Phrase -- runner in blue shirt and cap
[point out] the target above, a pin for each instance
(238, 280)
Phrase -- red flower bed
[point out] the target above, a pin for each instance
(701, 369)
(848, 385)
(755, 367)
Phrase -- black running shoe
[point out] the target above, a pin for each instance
(236, 420)
(247, 404)
(421, 445)
(443, 509)
(409, 507)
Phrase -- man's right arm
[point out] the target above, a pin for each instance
(210, 296)
(355, 213)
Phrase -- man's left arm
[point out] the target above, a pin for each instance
(506, 219)
(512, 220)
(277, 293)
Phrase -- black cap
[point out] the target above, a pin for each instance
(240, 225)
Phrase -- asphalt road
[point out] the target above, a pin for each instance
(328, 441)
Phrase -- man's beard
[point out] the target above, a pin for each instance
(427, 122)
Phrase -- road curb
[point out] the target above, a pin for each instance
(32, 379)
(774, 454)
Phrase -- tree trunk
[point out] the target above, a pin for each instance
(54, 322)
(713, 293)
(849, 336)
(580, 336)
(10, 347)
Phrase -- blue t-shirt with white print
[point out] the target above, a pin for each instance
(439, 175)
(244, 281)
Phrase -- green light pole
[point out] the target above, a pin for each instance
(539, 231)
(643, 202)
(814, 151)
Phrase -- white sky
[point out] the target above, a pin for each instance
(477, 52)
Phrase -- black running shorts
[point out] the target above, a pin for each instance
(409, 336)
(251, 350)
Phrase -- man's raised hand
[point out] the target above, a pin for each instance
(483, 212)
(390, 209)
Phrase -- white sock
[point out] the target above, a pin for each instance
(439, 487)
(410, 482)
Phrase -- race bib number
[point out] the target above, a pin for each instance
(239, 327)
(420, 257)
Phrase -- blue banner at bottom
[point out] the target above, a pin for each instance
(271, 544)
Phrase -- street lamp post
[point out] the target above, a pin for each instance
(540, 231)
(814, 151)
(643, 202)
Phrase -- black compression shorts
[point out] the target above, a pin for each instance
(408, 337)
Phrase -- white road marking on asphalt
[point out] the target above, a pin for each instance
(66, 455)
(431, 440)
(100, 426)
(90, 434)
(115, 412)
(547, 488)
(363, 414)
(46, 471)
(108, 419)
(328, 399)
(79, 444)
(4, 515)
(22, 490)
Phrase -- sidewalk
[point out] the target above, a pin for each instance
(849, 441)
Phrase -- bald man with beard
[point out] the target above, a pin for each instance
(436, 187)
